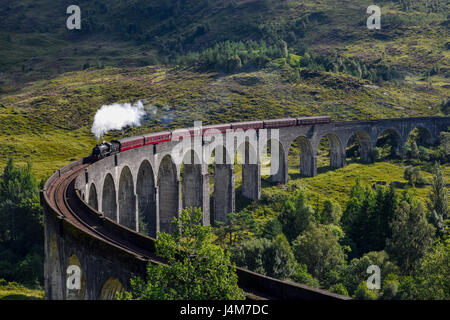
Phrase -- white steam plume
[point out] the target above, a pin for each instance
(117, 116)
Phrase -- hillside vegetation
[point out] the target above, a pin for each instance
(219, 61)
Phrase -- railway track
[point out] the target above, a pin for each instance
(67, 202)
(61, 195)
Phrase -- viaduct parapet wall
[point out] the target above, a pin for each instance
(137, 193)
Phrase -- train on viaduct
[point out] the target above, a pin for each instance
(103, 214)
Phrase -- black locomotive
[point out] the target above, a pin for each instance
(105, 149)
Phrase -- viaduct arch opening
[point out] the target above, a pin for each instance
(302, 157)
(109, 201)
(389, 142)
(127, 200)
(93, 202)
(168, 194)
(110, 289)
(275, 165)
(358, 146)
(330, 152)
(146, 195)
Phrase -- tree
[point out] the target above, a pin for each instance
(413, 176)
(196, 269)
(438, 200)
(319, 249)
(240, 227)
(331, 213)
(296, 215)
(301, 275)
(414, 150)
(353, 273)
(271, 229)
(21, 226)
(270, 257)
(364, 293)
(367, 216)
(433, 273)
(444, 147)
(412, 235)
(430, 280)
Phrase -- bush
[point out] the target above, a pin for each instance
(413, 176)
(270, 257)
(339, 289)
(319, 249)
(301, 275)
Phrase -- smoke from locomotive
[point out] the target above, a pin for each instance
(117, 116)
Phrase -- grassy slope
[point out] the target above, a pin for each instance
(14, 291)
(49, 122)
(45, 117)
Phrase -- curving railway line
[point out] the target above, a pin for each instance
(61, 198)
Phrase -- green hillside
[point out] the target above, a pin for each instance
(220, 61)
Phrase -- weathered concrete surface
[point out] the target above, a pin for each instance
(223, 191)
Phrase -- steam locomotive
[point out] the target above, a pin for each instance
(106, 149)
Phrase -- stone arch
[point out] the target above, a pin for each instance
(75, 280)
(359, 143)
(278, 161)
(127, 199)
(146, 194)
(336, 150)
(109, 200)
(417, 137)
(93, 202)
(426, 134)
(394, 138)
(168, 194)
(110, 288)
(308, 160)
(251, 169)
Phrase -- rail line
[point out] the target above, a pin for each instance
(62, 197)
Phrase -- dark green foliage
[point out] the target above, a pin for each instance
(413, 176)
(240, 227)
(430, 280)
(232, 56)
(196, 269)
(296, 215)
(339, 289)
(334, 63)
(271, 229)
(319, 249)
(444, 146)
(270, 257)
(367, 216)
(364, 293)
(438, 200)
(411, 234)
(21, 227)
(301, 275)
(331, 213)
(355, 272)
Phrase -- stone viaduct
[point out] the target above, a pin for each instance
(145, 188)
(137, 193)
